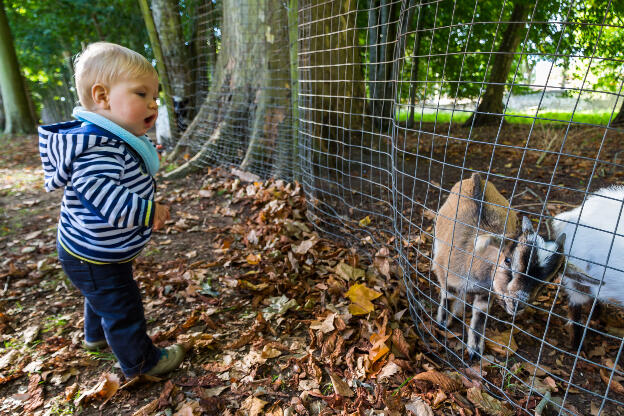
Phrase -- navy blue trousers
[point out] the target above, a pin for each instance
(113, 310)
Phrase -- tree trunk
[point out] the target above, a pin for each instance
(177, 57)
(242, 119)
(415, 68)
(1, 113)
(618, 120)
(19, 118)
(162, 70)
(490, 109)
(333, 92)
(204, 47)
(382, 23)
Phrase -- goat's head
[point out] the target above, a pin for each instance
(523, 265)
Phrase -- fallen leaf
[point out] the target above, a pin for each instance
(253, 406)
(419, 408)
(213, 391)
(364, 222)
(253, 259)
(106, 387)
(189, 408)
(341, 388)
(8, 358)
(349, 273)
(30, 334)
(326, 326)
(501, 342)
(614, 385)
(35, 394)
(308, 384)
(379, 348)
(440, 379)
(269, 352)
(148, 409)
(305, 246)
(361, 297)
(388, 370)
(487, 403)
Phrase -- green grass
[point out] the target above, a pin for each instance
(102, 356)
(460, 117)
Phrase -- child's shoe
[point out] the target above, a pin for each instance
(94, 345)
(170, 359)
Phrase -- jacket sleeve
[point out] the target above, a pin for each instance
(96, 181)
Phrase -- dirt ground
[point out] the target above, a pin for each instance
(277, 319)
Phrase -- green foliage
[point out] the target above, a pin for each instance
(48, 34)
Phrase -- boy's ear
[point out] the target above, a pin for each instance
(99, 95)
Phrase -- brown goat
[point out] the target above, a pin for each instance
(479, 249)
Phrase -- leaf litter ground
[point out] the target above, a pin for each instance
(277, 319)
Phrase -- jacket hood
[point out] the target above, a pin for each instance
(60, 144)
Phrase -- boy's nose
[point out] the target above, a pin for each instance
(153, 105)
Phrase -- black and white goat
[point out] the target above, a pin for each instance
(595, 253)
(478, 249)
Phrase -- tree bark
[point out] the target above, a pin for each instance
(490, 108)
(162, 70)
(177, 57)
(332, 82)
(618, 120)
(19, 119)
(415, 68)
(1, 113)
(382, 23)
(204, 47)
(243, 117)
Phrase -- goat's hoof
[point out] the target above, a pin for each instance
(474, 354)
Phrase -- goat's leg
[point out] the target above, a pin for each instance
(441, 317)
(574, 313)
(476, 334)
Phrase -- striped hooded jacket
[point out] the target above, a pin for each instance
(107, 208)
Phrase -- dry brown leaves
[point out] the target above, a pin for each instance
(441, 380)
(487, 403)
(106, 387)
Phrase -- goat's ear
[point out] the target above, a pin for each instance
(527, 227)
(485, 240)
(560, 241)
(574, 273)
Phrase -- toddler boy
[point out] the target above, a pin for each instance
(106, 165)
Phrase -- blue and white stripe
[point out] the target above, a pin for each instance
(107, 209)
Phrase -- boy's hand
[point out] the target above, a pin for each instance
(161, 214)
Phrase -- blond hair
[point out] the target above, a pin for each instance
(106, 63)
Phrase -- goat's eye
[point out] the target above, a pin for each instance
(508, 261)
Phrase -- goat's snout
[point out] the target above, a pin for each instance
(515, 302)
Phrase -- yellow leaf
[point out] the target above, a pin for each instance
(365, 221)
(379, 348)
(361, 297)
(253, 259)
(501, 342)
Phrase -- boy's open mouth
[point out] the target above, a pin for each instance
(149, 119)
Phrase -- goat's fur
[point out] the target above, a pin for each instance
(595, 253)
(478, 248)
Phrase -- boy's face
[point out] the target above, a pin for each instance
(130, 103)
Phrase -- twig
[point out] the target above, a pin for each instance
(6, 285)
(555, 136)
(529, 190)
(615, 158)
(539, 409)
(565, 204)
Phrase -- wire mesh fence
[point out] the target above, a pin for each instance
(401, 107)
(476, 139)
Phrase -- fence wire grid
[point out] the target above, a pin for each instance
(434, 128)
